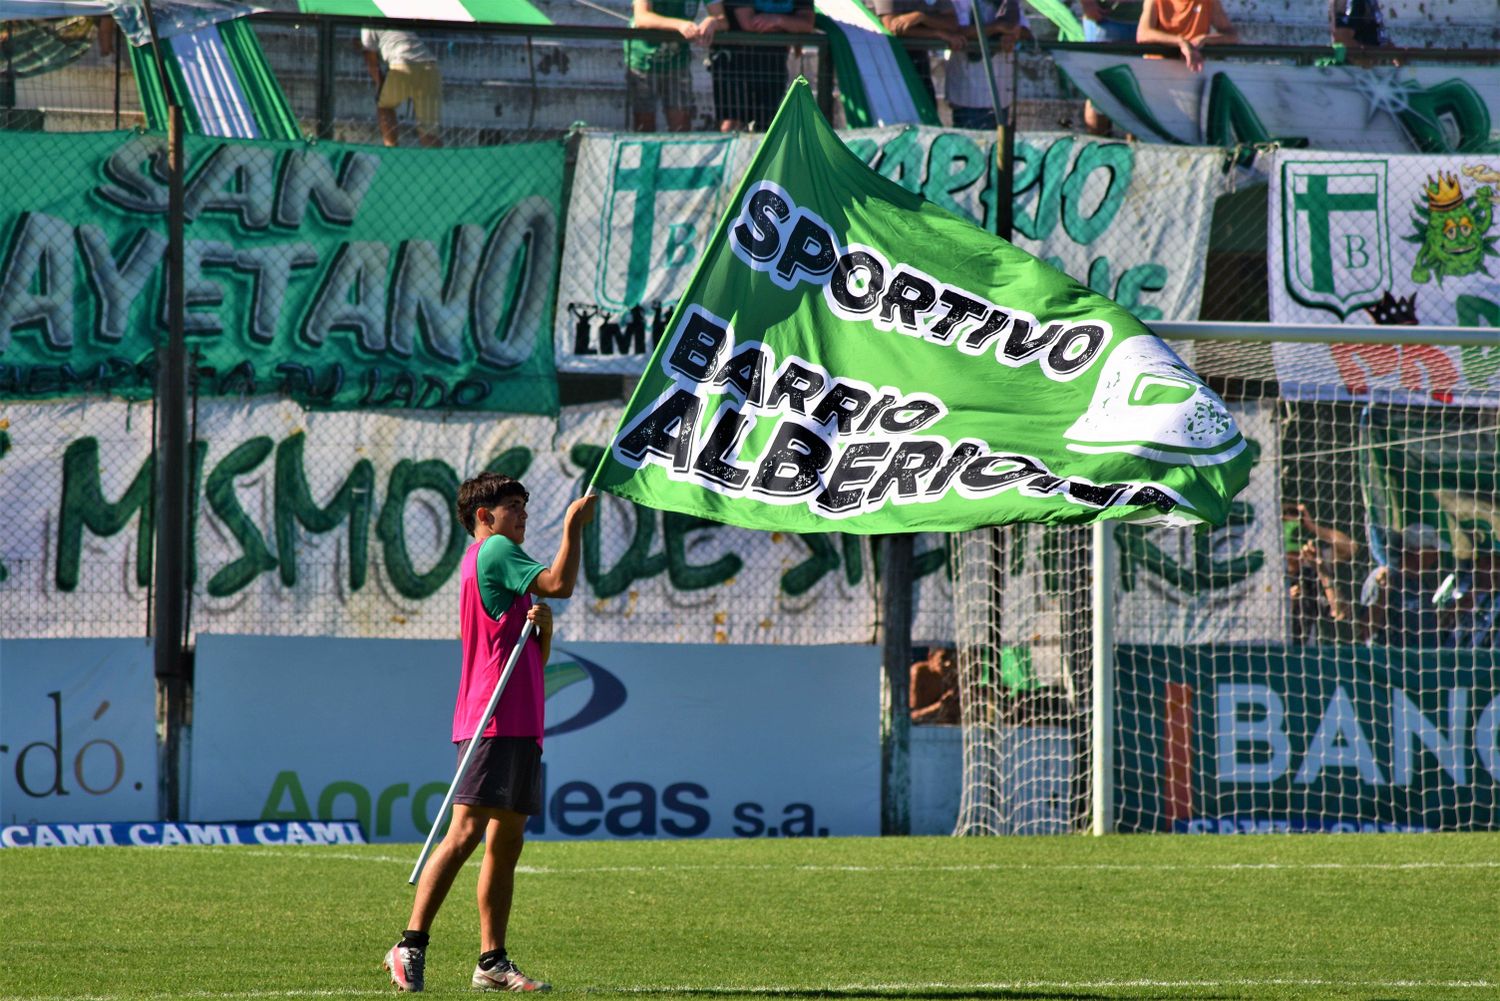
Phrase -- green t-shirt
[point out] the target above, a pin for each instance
(504, 572)
(662, 57)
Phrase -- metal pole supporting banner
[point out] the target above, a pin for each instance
(1102, 586)
(157, 57)
(1005, 155)
(895, 730)
(825, 79)
(984, 57)
(463, 763)
(1005, 132)
(326, 96)
(170, 496)
(7, 81)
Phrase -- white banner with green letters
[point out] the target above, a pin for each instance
(1130, 221)
(342, 523)
(1432, 108)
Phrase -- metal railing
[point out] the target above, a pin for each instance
(508, 82)
(515, 82)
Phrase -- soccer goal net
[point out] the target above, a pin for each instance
(1328, 660)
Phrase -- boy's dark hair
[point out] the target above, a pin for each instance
(485, 490)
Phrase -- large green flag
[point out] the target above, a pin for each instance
(851, 357)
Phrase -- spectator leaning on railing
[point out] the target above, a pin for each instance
(659, 72)
(1187, 24)
(921, 19)
(965, 86)
(750, 80)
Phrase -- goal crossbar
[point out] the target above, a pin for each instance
(1319, 333)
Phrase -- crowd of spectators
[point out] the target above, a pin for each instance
(658, 73)
(749, 79)
(1412, 593)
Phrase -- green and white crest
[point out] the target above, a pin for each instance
(650, 234)
(1148, 403)
(1336, 251)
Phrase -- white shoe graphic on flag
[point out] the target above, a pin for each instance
(1148, 403)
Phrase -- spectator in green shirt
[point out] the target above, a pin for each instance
(659, 72)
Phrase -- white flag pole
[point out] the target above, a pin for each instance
(463, 764)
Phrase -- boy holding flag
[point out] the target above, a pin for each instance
(503, 785)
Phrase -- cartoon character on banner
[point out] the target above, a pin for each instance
(1451, 229)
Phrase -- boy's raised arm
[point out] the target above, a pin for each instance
(558, 579)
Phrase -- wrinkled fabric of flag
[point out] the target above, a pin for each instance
(850, 357)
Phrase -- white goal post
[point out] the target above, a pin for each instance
(1329, 660)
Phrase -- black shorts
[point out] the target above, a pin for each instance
(506, 774)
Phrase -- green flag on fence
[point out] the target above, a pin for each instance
(849, 356)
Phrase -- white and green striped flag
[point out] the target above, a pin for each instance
(877, 83)
(483, 11)
(219, 74)
(849, 356)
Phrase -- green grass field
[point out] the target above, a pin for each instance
(1351, 916)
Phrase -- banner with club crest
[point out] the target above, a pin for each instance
(1390, 240)
(1129, 220)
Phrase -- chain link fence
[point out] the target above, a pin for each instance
(66, 74)
(360, 340)
(333, 290)
(498, 85)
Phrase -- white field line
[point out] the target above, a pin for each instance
(1012, 985)
(855, 990)
(343, 992)
(1024, 867)
(547, 870)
